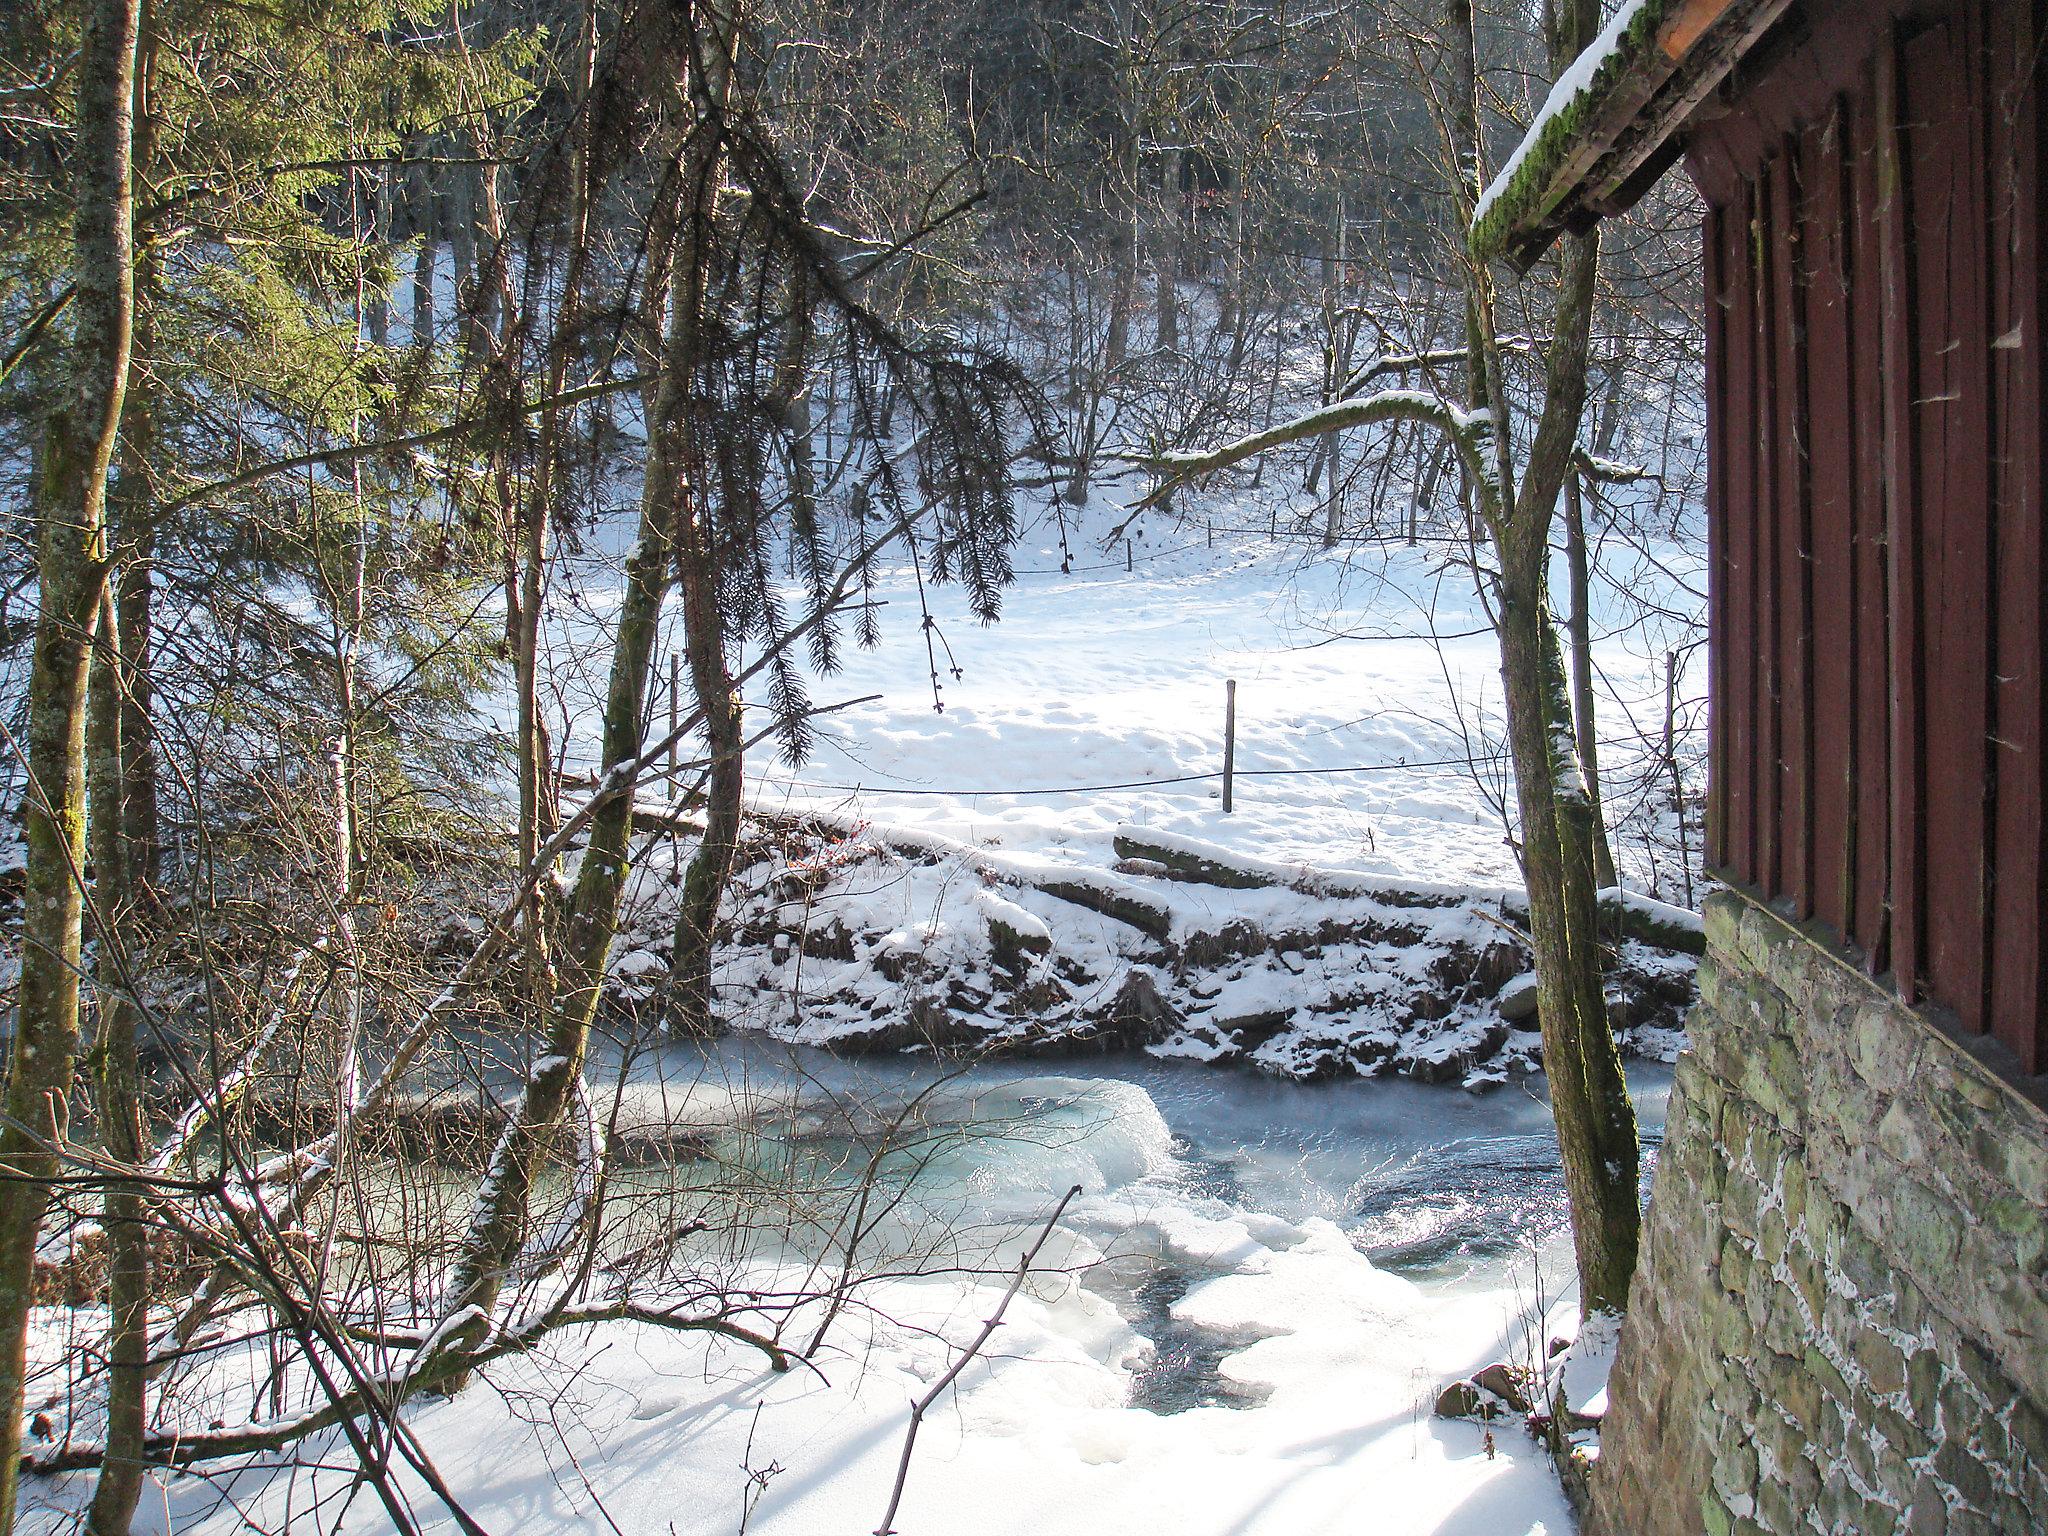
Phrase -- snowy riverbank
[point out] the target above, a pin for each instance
(865, 938)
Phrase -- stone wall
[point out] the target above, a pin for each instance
(1840, 1323)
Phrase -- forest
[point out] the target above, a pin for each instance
(795, 765)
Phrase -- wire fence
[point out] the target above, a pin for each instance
(1460, 764)
(1464, 764)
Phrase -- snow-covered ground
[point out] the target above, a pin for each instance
(1367, 749)
(1367, 679)
(1102, 678)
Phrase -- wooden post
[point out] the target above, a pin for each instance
(1229, 738)
(1127, 557)
(1671, 760)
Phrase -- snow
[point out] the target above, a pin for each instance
(1663, 911)
(1579, 1375)
(1039, 1440)
(1364, 687)
(1097, 702)
(1369, 757)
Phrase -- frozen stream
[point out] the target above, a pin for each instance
(1237, 1331)
(1184, 1171)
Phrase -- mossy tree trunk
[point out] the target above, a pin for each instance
(121, 791)
(499, 1224)
(71, 576)
(1596, 1127)
(710, 869)
(689, 1003)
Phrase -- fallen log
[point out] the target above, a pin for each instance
(1629, 914)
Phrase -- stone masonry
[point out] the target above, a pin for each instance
(1840, 1323)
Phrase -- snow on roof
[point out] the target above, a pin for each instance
(1592, 74)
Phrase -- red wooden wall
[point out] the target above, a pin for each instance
(1875, 375)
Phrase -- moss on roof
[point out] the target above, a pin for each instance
(1526, 191)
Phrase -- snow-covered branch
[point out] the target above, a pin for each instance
(1609, 471)
(1464, 428)
(1390, 364)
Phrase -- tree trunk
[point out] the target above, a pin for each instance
(71, 575)
(498, 1228)
(121, 790)
(689, 1004)
(1168, 257)
(689, 1001)
(1124, 277)
(117, 1079)
(499, 1225)
(426, 230)
(1596, 1123)
(1336, 365)
(461, 230)
(134, 518)
(1585, 727)
(538, 791)
(1596, 1128)
(378, 191)
(134, 609)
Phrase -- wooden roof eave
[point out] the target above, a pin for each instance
(1633, 133)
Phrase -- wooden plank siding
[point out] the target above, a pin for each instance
(1871, 661)
(1733, 746)
(2019, 896)
(1716, 319)
(1831, 488)
(1875, 377)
